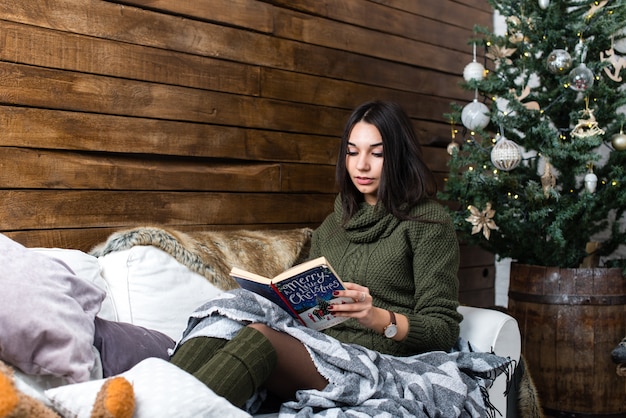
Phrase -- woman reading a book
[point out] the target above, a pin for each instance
(392, 244)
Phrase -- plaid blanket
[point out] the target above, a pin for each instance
(362, 382)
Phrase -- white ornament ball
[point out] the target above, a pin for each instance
(591, 182)
(475, 115)
(474, 71)
(544, 4)
(506, 154)
(619, 141)
(581, 78)
(559, 61)
(620, 44)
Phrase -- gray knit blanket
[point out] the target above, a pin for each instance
(362, 382)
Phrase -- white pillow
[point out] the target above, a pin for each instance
(153, 290)
(161, 390)
(86, 267)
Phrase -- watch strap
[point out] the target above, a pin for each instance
(390, 330)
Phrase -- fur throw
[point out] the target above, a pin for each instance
(212, 254)
(529, 405)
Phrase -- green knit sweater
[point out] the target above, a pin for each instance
(410, 267)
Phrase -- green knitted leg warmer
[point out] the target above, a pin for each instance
(194, 354)
(240, 367)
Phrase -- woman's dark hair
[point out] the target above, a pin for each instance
(405, 178)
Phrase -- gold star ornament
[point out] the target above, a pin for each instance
(482, 220)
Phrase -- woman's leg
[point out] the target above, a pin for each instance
(233, 369)
(294, 367)
(192, 355)
(258, 355)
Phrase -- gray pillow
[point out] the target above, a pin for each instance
(122, 345)
(46, 314)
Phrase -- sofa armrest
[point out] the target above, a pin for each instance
(491, 330)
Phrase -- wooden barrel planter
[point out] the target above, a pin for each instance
(570, 320)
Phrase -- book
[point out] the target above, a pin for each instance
(305, 291)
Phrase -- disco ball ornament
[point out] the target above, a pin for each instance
(559, 61)
(506, 154)
(474, 71)
(475, 115)
(580, 78)
(619, 141)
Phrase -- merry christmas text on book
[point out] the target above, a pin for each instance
(305, 291)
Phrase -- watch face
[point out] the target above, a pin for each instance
(391, 331)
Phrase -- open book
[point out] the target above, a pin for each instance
(305, 291)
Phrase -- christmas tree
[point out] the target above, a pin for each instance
(538, 158)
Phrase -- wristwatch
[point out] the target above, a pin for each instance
(391, 330)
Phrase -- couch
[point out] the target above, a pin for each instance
(151, 288)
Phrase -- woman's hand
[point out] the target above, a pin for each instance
(362, 308)
(367, 314)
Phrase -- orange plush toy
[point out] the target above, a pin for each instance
(115, 399)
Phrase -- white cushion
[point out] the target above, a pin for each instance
(161, 390)
(86, 267)
(153, 290)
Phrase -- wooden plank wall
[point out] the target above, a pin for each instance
(210, 113)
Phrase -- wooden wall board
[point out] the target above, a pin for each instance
(48, 209)
(51, 129)
(455, 11)
(251, 14)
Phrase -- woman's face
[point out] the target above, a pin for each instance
(364, 160)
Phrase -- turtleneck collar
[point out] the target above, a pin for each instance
(368, 224)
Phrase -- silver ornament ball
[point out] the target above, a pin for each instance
(559, 61)
(619, 141)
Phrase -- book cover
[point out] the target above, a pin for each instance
(305, 291)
